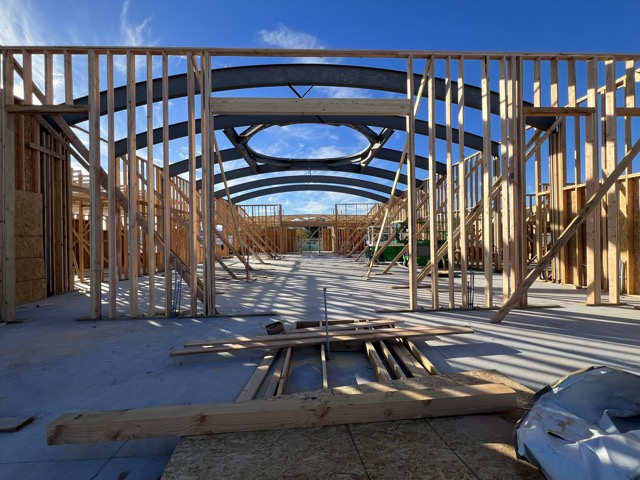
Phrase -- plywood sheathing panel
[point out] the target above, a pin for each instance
(30, 272)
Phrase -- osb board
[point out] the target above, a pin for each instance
(31, 290)
(462, 447)
(28, 214)
(29, 269)
(30, 247)
(310, 453)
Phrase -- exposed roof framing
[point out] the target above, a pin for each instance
(310, 75)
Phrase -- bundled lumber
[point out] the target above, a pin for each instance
(311, 410)
(312, 338)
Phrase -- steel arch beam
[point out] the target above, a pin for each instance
(325, 75)
(309, 187)
(240, 173)
(304, 179)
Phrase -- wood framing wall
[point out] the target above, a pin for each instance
(553, 189)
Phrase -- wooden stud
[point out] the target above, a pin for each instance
(7, 124)
(194, 229)
(112, 214)
(433, 229)
(208, 187)
(151, 196)
(166, 187)
(134, 244)
(95, 200)
(487, 176)
(610, 140)
(504, 155)
(629, 254)
(27, 77)
(411, 192)
(593, 227)
(578, 269)
(449, 182)
(462, 188)
(48, 78)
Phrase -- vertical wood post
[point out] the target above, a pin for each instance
(411, 189)
(610, 140)
(112, 212)
(462, 187)
(134, 241)
(433, 227)
(194, 226)
(8, 194)
(487, 180)
(592, 168)
(95, 197)
(151, 196)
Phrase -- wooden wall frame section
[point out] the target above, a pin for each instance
(494, 240)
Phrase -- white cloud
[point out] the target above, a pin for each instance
(134, 34)
(284, 37)
(20, 25)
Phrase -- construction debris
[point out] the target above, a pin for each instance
(312, 338)
(586, 426)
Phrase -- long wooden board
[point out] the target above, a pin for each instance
(319, 410)
(293, 340)
(309, 106)
(291, 334)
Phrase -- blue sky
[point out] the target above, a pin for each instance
(465, 25)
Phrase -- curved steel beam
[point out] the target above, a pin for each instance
(276, 75)
(231, 154)
(310, 187)
(304, 179)
(180, 130)
(375, 172)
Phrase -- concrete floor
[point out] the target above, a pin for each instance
(54, 364)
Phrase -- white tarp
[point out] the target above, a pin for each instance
(586, 426)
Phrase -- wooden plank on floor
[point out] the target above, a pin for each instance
(333, 335)
(292, 340)
(286, 368)
(274, 377)
(390, 360)
(379, 369)
(345, 326)
(13, 424)
(317, 410)
(409, 362)
(255, 382)
(421, 357)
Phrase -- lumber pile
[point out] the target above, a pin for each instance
(344, 334)
(329, 407)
